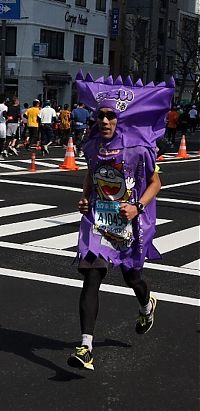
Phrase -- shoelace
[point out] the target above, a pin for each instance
(81, 350)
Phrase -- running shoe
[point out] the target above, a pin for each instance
(80, 154)
(145, 322)
(46, 150)
(81, 358)
(13, 150)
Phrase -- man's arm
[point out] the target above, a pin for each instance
(130, 210)
(87, 189)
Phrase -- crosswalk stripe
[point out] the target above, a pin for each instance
(37, 224)
(66, 241)
(59, 242)
(72, 254)
(10, 166)
(160, 221)
(177, 240)
(23, 208)
(40, 163)
(195, 265)
(108, 288)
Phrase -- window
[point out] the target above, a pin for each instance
(163, 4)
(78, 47)
(170, 64)
(55, 40)
(81, 3)
(98, 51)
(11, 41)
(171, 29)
(101, 5)
(161, 32)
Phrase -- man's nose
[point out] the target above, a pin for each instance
(105, 120)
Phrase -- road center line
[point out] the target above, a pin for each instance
(104, 287)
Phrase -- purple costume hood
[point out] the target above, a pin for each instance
(141, 110)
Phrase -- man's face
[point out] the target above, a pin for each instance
(107, 121)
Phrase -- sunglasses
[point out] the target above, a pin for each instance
(110, 115)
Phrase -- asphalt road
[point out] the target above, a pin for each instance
(39, 292)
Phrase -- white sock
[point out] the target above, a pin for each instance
(146, 309)
(87, 340)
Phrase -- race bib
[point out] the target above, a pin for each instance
(108, 220)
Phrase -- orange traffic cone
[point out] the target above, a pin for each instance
(160, 158)
(182, 152)
(69, 160)
(33, 165)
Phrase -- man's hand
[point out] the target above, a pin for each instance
(129, 211)
(83, 205)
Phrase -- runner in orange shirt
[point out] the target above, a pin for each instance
(172, 123)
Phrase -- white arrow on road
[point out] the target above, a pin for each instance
(4, 9)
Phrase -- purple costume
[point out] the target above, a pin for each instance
(121, 168)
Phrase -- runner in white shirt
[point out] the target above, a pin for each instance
(47, 117)
(3, 116)
(193, 114)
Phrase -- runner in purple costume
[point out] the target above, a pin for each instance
(118, 202)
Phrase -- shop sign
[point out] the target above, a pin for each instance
(115, 22)
(73, 19)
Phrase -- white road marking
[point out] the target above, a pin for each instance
(186, 183)
(104, 287)
(38, 224)
(175, 160)
(43, 250)
(175, 200)
(160, 221)
(194, 265)
(169, 268)
(54, 186)
(10, 166)
(23, 208)
(40, 163)
(72, 254)
(59, 242)
(69, 240)
(59, 187)
(176, 240)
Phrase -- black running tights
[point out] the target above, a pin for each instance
(89, 298)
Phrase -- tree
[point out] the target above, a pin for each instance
(137, 38)
(187, 63)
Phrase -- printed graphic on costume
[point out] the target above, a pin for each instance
(123, 97)
(111, 184)
(112, 188)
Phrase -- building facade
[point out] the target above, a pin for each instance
(51, 42)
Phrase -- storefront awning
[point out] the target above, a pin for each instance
(58, 77)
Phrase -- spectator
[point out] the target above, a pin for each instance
(80, 118)
(46, 118)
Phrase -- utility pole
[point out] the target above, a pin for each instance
(3, 55)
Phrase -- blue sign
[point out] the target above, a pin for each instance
(9, 9)
(115, 23)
